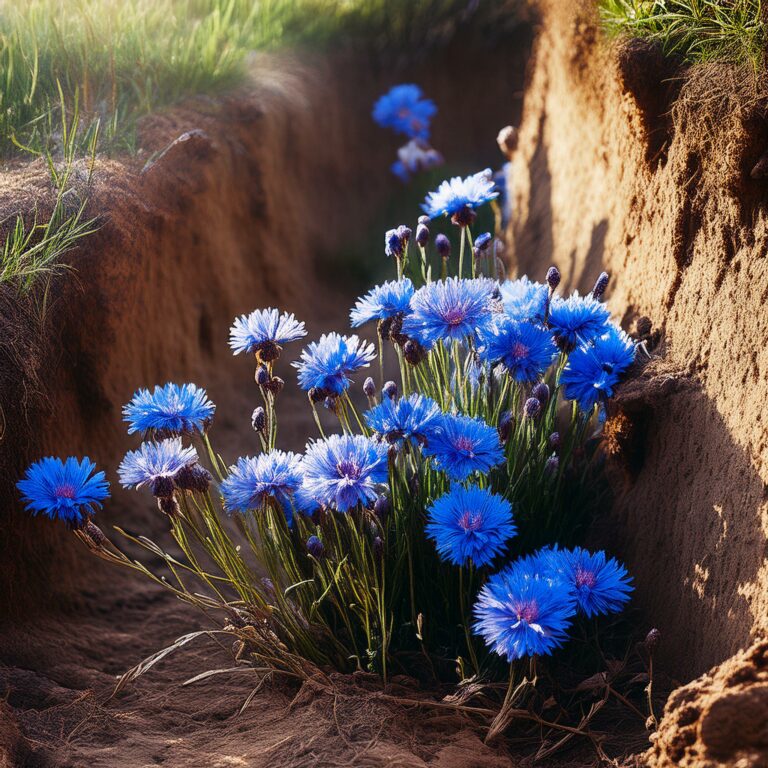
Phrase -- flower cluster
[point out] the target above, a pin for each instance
(405, 110)
(427, 519)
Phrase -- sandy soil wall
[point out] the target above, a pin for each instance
(623, 166)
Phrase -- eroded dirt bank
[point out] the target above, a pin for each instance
(240, 205)
(612, 173)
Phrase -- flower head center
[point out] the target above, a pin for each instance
(454, 316)
(470, 521)
(466, 444)
(66, 491)
(585, 578)
(527, 611)
(519, 350)
(348, 469)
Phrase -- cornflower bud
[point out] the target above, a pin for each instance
(369, 387)
(425, 220)
(652, 639)
(162, 487)
(554, 441)
(422, 235)
(505, 425)
(275, 385)
(600, 285)
(381, 508)
(552, 466)
(168, 505)
(316, 394)
(404, 233)
(531, 408)
(393, 246)
(443, 246)
(262, 376)
(259, 419)
(193, 478)
(483, 241)
(315, 547)
(553, 278)
(389, 390)
(541, 393)
(414, 352)
(95, 534)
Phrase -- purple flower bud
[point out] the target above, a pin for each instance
(600, 285)
(389, 390)
(425, 220)
(381, 509)
(552, 466)
(531, 408)
(393, 246)
(162, 487)
(505, 425)
(554, 441)
(652, 639)
(275, 385)
(316, 394)
(259, 419)
(315, 547)
(541, 393)
(404, 233)
(414, 352)
(422, 235)
(443, 245)
(193, 478)
(483, 241)
(369, 387)
(378, 547)
(168, 505)
(262, 376)
(95, 534)
(553, 277)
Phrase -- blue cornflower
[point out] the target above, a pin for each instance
(462, 445)
(63, 490)
(458, 197)
(326, 364)
(577, 319)
(525, 350)
(252, 481)
(593, 370)
(601, 584)
(344, 470)
(383, 302)
(452, 309)
(470, 524)
(411, 418)
(404, 109)
(264, 332)
(156, 464)
(519, 613)
(524, 300)
(169, 410)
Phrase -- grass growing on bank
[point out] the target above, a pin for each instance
(697, 30)
(125, 58)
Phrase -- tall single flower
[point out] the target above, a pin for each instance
(524, 300)
(409, 419)
(326, 365)
(524, 349)
(169, 410)
(462, 445)
(470, 524)
(601, 584)
(451, 310)
(156, 464)
(459, 197)
(577, 319)
(594, 369)
(344, 470)
(264, 333)
(404, 109)
(63, 490)
(383, 302)
(519, 613)
(252, 481)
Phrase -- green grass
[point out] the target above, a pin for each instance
(696, 30)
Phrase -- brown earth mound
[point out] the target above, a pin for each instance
(234, 203)
(719, 719)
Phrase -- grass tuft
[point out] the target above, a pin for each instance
(698, 31)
